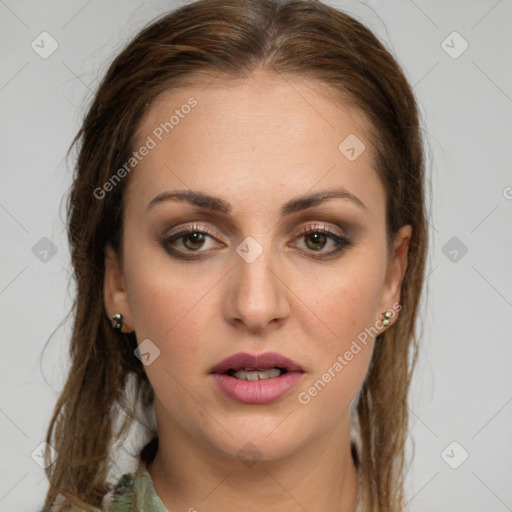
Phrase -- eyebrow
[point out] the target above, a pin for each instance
(202, 200)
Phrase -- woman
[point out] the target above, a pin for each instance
(248, 235)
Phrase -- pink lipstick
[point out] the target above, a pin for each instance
(256, 379)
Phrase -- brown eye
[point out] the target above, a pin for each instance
(318, 240)
(193, 240)
(190, 239)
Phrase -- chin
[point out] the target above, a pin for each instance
(259, 442)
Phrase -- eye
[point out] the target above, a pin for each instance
(318, 237)
(187, 239)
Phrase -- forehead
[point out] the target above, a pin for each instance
(281, 99)
(267, 134)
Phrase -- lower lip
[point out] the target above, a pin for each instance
(256, 392)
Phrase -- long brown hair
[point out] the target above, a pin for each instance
(232, 39)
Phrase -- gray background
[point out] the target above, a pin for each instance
(462, 391)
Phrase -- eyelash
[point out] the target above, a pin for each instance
(341, 241)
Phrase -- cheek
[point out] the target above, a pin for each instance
(344, 302)
(337, 376)
(171, 314)
(168, 306)
(340, 319)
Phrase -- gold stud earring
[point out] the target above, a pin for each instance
(385, 317)
(119, 325)
(117, 321)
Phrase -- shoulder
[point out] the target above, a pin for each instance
(121, 497)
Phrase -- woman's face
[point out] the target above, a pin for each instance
(248, 277)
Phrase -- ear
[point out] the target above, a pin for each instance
(397, 266)
(114, 290)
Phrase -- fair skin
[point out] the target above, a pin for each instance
(256, 144)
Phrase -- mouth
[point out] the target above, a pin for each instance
(256, 373)
(256, 379)
(252, 367)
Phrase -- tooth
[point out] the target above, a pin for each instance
(269, 374)
(257, 374)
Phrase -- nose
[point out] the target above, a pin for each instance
(258, 295)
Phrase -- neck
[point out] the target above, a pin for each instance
(319, 477)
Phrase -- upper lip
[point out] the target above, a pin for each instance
(246, 361)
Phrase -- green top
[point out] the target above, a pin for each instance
(135, 492)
